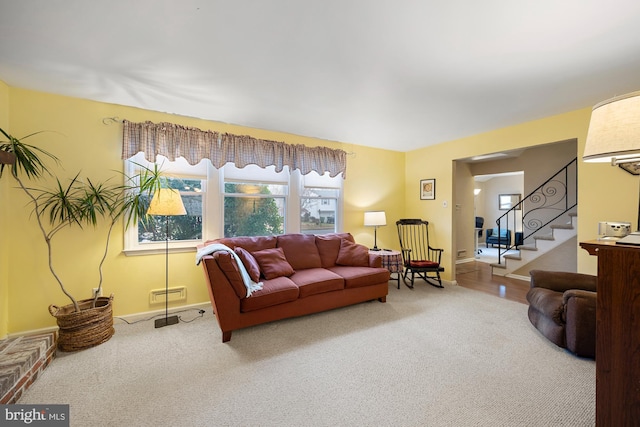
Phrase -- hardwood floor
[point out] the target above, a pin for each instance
(477, 275)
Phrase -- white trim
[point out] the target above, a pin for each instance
(129, 317)
(156, 251)
(134, 317)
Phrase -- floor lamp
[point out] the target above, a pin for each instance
(375, 219)
(614, 137)
(166, 202)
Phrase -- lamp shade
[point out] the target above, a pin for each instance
(375, 218)
(614, 130)
(166, 201)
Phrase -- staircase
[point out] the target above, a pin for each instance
(542, 243)
(543, 220)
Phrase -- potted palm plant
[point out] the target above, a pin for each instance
(78, 203)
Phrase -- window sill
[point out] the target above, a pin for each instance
(157, 250)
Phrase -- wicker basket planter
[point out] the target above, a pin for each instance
(85, 328)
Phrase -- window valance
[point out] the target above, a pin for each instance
(172, 141)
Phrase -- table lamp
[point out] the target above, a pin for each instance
(614, 134)
(375, 219)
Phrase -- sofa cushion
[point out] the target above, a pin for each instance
(357, 277)
(275, 291)
(249, 262)
(329, 247)
(352, 254)
(300, 250)
(252, 244)
(273, 263)
(313, 281)
(229, 267)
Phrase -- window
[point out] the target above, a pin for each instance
(230, 201)
(320, 203)
(318, 210)
(180, 228)
(254, 209)
(185, 231)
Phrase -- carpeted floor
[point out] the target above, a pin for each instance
(426, 357)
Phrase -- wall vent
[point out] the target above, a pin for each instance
(157, 296)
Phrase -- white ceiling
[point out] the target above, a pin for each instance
(395, 74)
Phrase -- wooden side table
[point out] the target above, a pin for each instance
(392, 261)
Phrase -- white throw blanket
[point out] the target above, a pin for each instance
(219, 247)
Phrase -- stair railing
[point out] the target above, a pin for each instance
(553, 198)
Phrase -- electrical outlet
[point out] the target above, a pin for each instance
(94, 292)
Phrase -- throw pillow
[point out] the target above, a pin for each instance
(273, 263)
(353, 254)
(250, 263)
(329, 247)
(300, 250)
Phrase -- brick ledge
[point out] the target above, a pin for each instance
(22, 359)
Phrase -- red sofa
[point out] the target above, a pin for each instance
(299, 274)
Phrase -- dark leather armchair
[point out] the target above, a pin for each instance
(562, 306)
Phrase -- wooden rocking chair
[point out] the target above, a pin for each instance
(418, 257)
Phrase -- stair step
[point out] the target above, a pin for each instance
(546, 237)
(520, 258)
(563, 226)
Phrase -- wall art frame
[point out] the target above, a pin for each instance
(428, 189)
(508, 201)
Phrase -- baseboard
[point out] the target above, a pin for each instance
(127, 317)
(519, 277)
(134, 317)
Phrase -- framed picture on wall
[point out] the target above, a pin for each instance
(508, 201)
(427, 189)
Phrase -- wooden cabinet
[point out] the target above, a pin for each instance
(617, 333)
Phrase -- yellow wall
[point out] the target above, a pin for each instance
(4, 242)
(376, 180)
(604, 192)
(83, 142)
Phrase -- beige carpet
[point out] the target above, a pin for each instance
(427, 357)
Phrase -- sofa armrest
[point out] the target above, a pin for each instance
(588, 297)
(580, 322)
(561, 281)
(223, 296)
(375, 260)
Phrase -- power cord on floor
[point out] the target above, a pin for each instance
(199, 315)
